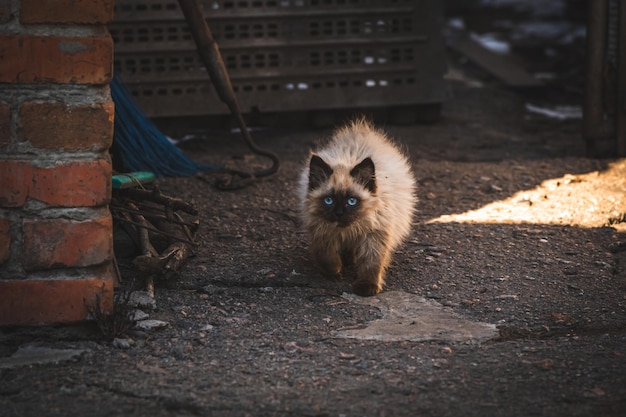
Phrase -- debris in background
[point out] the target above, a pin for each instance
(456, 75)
(499, 65)
(491, 42)
(557, 112)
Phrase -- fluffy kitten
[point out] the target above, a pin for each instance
(357, 198)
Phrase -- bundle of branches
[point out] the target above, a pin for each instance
(153, 221)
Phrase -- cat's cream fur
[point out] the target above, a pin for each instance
(385, 205)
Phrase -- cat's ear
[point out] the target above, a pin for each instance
(365, 174)
(319, 172)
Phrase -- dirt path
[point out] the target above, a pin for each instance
(516, 229)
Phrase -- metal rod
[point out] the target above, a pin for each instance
(212, 59)
(620, 105)
(593, 109)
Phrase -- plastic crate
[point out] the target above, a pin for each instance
(284, 55)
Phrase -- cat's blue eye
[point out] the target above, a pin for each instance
(352, 201)
(329, 201)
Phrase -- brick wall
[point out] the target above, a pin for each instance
(56, 125)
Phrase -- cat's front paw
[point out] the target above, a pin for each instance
(366, 289)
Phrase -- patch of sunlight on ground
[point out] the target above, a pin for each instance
(593, 199)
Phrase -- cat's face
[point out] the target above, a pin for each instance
(340, 196)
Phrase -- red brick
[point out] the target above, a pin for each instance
(58, 59)
(15, 181)
(5, 124)
(66, 11)
(35, 302)
(5, 240)
(59, 125)
(53, 243)
(74, 184)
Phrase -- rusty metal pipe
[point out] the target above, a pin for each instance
(212, 59)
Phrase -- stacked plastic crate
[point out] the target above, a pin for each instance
(285, 55)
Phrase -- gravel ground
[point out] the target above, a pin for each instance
(516, 228)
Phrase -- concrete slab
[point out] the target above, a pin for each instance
(38, 355)
(413, 318)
